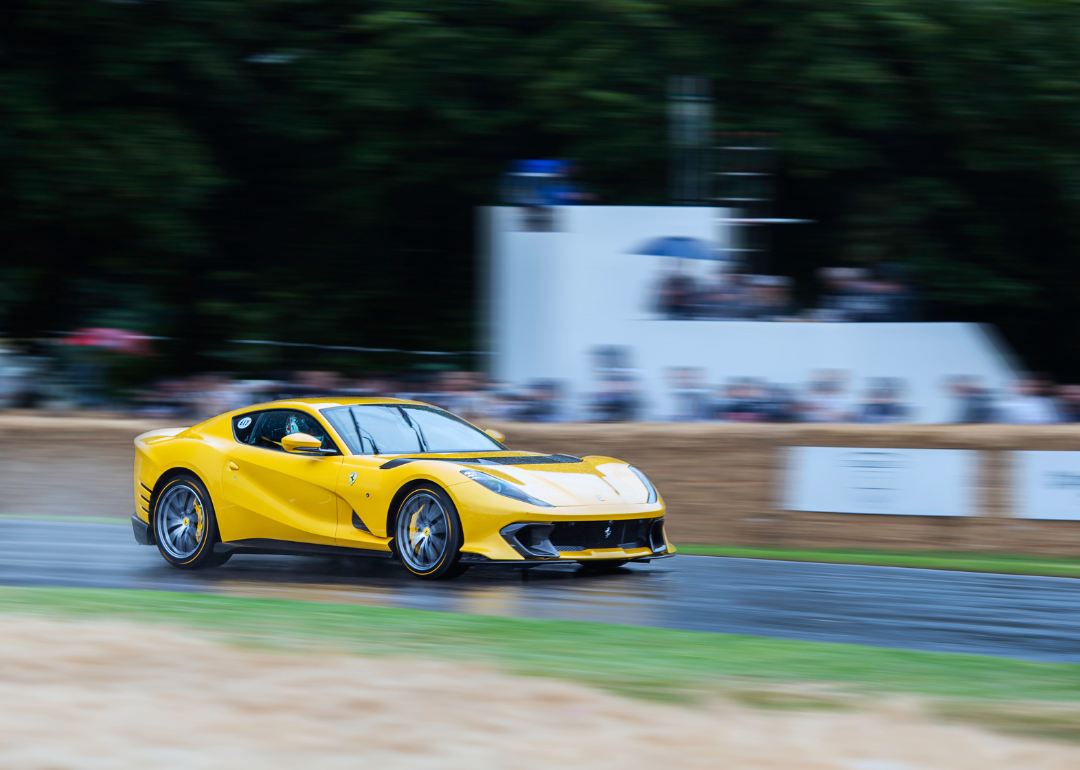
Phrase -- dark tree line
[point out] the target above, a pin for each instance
(307, 170)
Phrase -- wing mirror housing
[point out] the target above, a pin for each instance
(495, 435)
(301, 442)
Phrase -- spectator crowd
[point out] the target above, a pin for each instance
(749, 399)
(850, 294)
(828, 397)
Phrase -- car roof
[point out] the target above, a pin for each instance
(327, 401)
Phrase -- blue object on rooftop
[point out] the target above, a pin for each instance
(679, 247)
(538, 167)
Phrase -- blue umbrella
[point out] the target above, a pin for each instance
(679, 247)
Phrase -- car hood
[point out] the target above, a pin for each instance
(559, 480)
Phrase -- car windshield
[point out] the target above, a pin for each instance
(388, 429)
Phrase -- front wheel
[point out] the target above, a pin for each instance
(428, 533)
(184, 523)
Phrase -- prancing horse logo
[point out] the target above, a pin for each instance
(607, 533)
(352, 478)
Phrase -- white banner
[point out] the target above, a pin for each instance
(901, 482)
(1046, 485)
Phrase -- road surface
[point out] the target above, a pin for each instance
(1036, 618)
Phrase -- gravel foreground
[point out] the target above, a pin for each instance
(100, 694)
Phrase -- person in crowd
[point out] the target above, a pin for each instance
(780, 404)
(1068, 403)
(975, 402)
(541, 402)
(827, 400)
(735, 298)
(677, 296)
(772, 298)
(840, 300)
(744, 401)
(1027, 403)
(690, 393)
(884, 403)
(858, 295)
(617, 399)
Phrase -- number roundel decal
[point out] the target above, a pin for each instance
(246, 421)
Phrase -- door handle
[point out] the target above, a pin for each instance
(233, 466)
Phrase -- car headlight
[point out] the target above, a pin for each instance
(648, 484)
(500, 487)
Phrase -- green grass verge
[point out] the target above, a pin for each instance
(966, 562)
(656, 663)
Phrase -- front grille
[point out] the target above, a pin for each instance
(585, 535)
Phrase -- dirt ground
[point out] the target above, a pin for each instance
(119, 695)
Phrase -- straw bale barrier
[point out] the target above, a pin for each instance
(721, 482)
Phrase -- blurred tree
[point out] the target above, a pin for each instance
(307, 170)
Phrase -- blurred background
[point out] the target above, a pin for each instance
(555, 211)
(207, 204)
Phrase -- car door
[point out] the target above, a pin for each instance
(362, 484)
(271, 494)
(363, 488)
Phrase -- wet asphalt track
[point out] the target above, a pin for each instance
(1037, 618)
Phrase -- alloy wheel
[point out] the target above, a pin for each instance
(423, 532)
(181, 521)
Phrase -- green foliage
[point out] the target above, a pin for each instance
(307, 170)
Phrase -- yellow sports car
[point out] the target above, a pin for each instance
(383, 476)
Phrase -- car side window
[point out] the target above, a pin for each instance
(243, 425)
(276, 425)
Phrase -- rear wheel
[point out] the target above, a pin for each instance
(185, 527)
(428, 533)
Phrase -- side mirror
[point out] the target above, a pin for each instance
(495, 435)
(300, 442)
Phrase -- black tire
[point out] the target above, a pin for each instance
(427, 533)
(185, 525)
(603, 567)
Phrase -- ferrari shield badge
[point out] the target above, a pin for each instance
(352, 478)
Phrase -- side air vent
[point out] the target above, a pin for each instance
(356, 522)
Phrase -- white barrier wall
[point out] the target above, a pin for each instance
(898, 482)
(1046, 485)
(553, 297)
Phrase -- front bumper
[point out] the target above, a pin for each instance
(490, 523)
(485, 514)
(476, 560)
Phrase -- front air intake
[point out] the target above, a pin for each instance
(657, 542)
(627, 534)
(530, 540)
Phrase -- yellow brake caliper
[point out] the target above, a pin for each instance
(199, 521)
(414, 534)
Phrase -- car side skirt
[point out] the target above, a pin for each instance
(290, 548)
